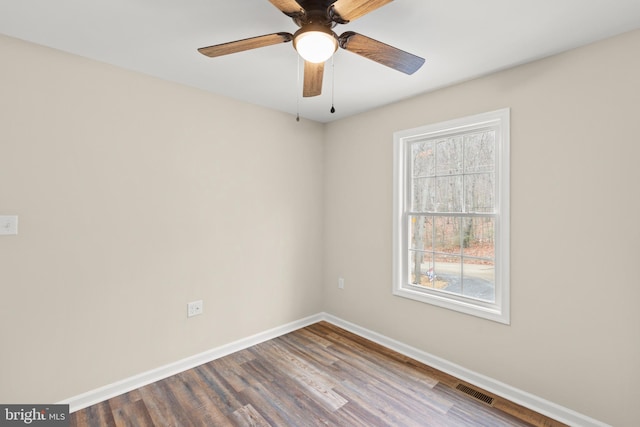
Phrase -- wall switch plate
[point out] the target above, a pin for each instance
(8, 225)
(194, 308)
(340, 283)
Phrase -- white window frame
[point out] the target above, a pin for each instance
(499, 310)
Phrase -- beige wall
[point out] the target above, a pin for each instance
(136, 196)
(574, 338)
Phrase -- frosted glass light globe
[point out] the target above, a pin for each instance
(315, 46)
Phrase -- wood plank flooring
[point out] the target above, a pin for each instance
(320, 375)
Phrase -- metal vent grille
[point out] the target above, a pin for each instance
(478, 395)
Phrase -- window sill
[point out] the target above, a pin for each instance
(489, 311)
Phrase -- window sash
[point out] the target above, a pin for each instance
(436, 250)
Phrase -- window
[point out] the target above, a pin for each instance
(451, 215)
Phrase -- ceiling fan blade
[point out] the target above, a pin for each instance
(349, 10)
(288, 7)
(245, 44)
(313, 74)
(380, 52)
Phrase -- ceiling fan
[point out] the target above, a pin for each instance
(316, 42)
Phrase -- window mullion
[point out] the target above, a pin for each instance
(453, 214)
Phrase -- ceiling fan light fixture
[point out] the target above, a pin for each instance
(315, 43)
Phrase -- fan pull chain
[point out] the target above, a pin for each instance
(298, 89)
(333, 80)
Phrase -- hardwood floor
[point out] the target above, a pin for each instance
(318, 375)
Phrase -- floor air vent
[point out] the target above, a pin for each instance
(475, 394)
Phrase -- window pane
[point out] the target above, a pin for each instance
(448, 273)
(447, 235)
(421, 232)
(479, 280)
(449, 156)
(479, 190)
(479, 152)
(478, 238)
(423, 275)
(423, 194)
(448, 194)
(423, 159)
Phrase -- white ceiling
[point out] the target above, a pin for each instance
(460, 39)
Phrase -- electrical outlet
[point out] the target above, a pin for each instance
(194, 308)
(340, 283)
(8, 225)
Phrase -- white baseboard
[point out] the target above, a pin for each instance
(506, 391)
(501, 389)
(120, 387)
